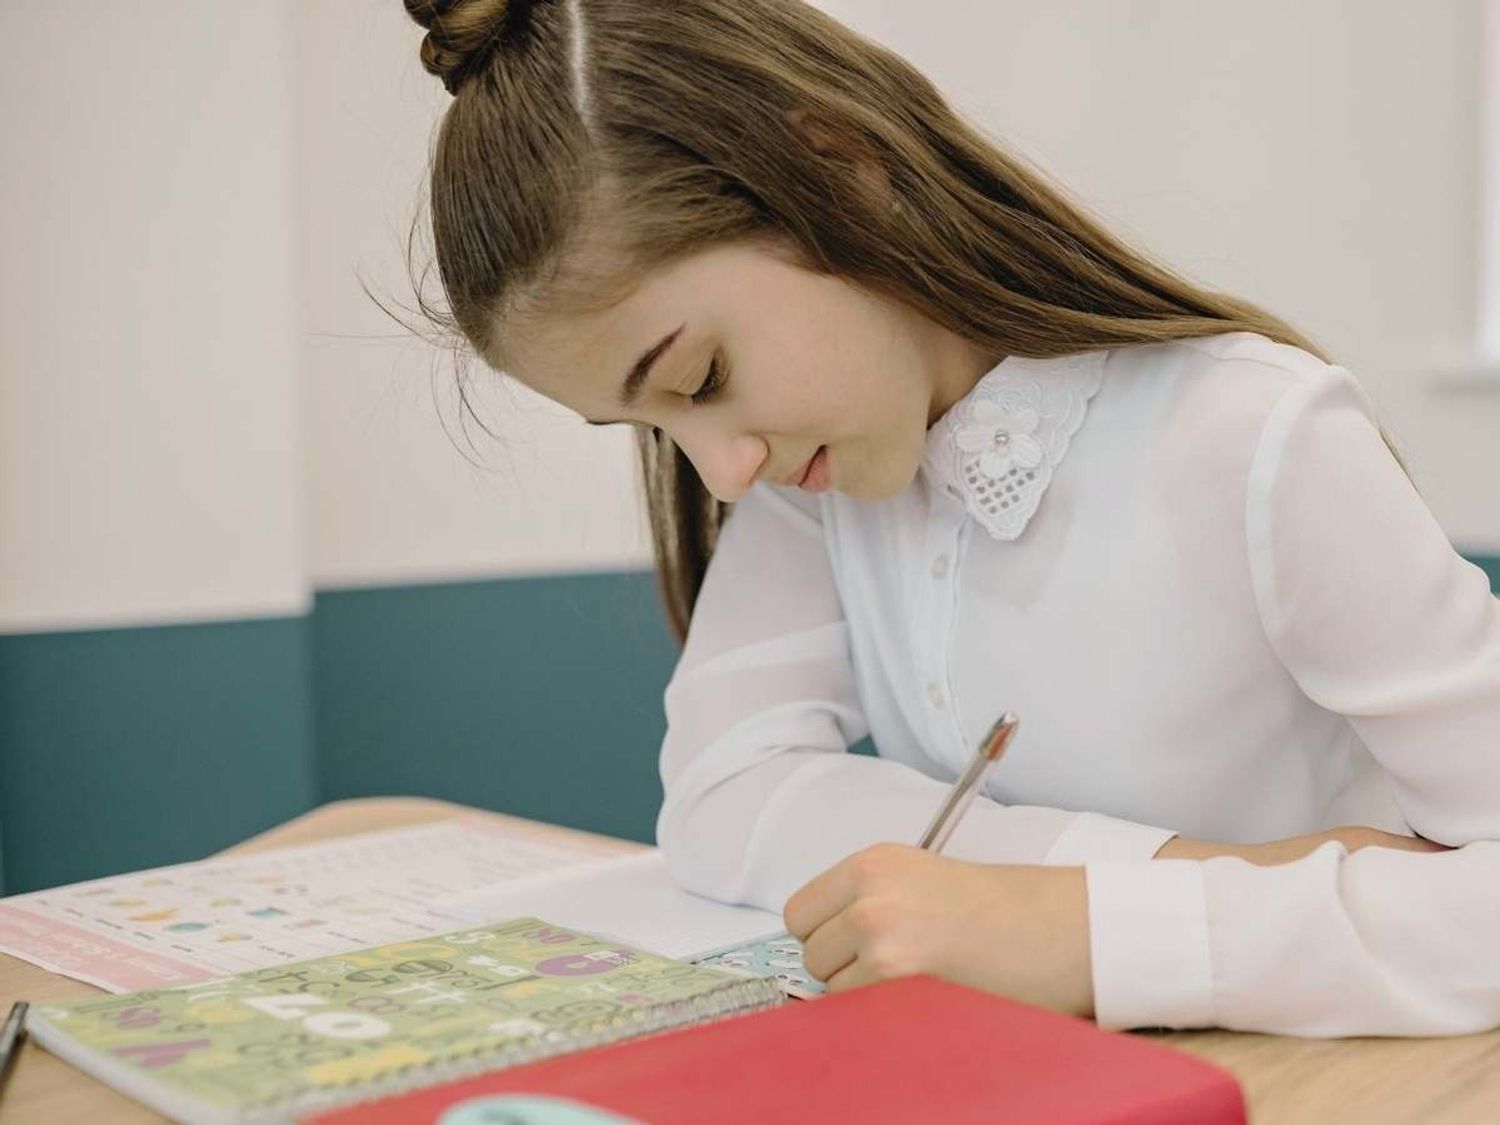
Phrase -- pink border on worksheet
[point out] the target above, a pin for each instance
(76, 952)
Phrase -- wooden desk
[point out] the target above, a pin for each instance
(1416, 1081)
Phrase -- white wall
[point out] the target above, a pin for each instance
(149, 344)
(394, 499)
(190, 191)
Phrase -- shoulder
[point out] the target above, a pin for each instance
(1251, 349)
(1244, 370)
(1267, 374)
(1228, 400)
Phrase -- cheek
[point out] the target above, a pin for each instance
(857, 387)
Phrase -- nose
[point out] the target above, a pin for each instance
(727, 463)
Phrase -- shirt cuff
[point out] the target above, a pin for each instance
(1094, 836)
(1148, 939)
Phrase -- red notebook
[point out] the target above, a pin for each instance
(913, 1049)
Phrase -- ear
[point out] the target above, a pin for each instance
(842, 149)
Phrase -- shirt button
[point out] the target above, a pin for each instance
(934, 694)
(940, 566)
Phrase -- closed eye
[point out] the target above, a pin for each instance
(710, 389)
(713, 383)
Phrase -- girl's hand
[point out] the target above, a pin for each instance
(1272, 852)
(891, 910)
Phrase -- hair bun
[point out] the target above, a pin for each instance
(462, 35)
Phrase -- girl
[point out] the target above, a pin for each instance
(922, 443)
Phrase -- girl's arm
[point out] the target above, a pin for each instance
(760, 795)
(1378, 619)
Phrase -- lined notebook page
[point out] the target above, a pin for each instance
(632, 899)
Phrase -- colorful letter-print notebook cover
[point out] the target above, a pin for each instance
(405, 1013)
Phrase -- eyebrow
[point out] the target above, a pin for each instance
(630, 390)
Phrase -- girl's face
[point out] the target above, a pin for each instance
(757, 364)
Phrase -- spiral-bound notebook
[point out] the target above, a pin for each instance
(270, 1044)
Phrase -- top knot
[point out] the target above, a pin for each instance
(462, 35)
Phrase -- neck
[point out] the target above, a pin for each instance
(961, 363)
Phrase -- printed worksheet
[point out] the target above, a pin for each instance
(211, 918)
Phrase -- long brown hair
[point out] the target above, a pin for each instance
(662, 127)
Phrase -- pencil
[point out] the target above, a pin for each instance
(10, 1039)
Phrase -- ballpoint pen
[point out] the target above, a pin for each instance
(967, 783)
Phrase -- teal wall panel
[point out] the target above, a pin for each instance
(130, 748)
(536, 696)
(1490, 565)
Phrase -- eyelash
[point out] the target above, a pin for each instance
(712, 385)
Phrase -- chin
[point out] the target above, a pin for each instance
(881, 487)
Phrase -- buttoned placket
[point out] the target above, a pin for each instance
(943, 540)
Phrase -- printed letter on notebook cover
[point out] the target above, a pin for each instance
(914, 1049)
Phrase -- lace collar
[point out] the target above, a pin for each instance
(998, 446)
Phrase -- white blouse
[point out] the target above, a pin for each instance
(1219, 608)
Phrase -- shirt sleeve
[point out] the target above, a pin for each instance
(760, 794)
(1377, 618)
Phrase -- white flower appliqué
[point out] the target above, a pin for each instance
(997, 448)
(1001, 436)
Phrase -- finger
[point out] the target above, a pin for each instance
(830, 947)
(818, 900)
(853, 975)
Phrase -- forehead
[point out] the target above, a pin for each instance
(548, 349)
(544, 347)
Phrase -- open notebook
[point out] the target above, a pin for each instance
(631, 897)
(634, 898)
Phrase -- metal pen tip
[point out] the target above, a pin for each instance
(1000, 735)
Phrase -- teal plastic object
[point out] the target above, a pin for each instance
(530, 1109)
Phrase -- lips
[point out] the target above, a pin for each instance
(799, 478)
(818, 476)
